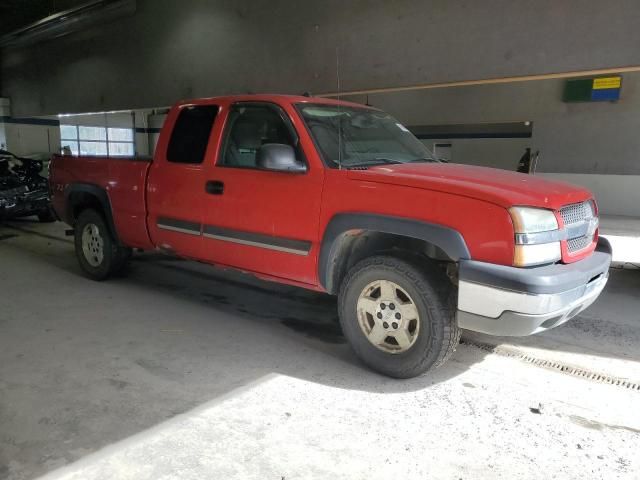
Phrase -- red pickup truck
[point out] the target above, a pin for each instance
(342, 198)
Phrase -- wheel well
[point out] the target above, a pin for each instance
(353, 246)
(79, 201)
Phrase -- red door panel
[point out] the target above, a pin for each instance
(263, 221)
(176, 184)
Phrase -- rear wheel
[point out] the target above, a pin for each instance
(398, 318)
(97, 251)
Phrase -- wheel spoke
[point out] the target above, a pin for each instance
(387, 290)
(377, 334)
(408, 311)
(403, 338)
(368, 305)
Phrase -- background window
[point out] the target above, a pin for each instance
(120, 135)
(99, 141)
(121, 149)
(190, 135)
(92, 133)
(93, 148)
(69, 138)
(69, 132)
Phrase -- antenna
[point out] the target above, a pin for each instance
(534, 163)
(339, 109)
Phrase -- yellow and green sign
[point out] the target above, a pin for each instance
(593, 89)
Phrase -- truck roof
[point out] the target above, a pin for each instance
(271, 97)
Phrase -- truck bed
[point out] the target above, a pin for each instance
(123, 178)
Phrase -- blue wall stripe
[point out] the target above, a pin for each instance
(30, 121)
(437, 136)
(147, 130)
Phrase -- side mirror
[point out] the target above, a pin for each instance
(280, 158)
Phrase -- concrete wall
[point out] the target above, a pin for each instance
(592, 144)
(169, 50)
(616, 194)
(26, 135)
(27, 138)
(486, 152)
(41, 135)
(598, 137)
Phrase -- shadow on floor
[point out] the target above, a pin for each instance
(85, 364)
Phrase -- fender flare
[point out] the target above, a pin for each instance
(100, 194)
(450, 241)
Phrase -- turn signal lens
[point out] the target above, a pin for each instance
(531, 255)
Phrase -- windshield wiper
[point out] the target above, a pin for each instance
(373, 161)
(425, 159)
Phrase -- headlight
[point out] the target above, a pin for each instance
(536, 236)
(533, 220)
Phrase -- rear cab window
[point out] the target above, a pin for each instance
(190, 135)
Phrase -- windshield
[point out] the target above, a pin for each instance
(351, 136)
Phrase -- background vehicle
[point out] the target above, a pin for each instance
(23, 191)
(341, 198)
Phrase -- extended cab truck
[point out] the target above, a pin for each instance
(341, 198)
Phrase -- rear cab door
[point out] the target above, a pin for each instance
(176, 180)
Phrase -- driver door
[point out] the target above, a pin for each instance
(258, 220)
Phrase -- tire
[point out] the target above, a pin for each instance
(46, 216)
(98, 254)
(424, 342)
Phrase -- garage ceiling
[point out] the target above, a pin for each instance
(15, 14)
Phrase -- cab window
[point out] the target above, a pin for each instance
(190, 136)
(248, 128)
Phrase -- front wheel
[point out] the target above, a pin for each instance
(97, 251)
(398, 318)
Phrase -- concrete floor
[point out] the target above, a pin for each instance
(179, 371)
(624, 235)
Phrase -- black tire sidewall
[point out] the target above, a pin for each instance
(424, 353)
(105, 269)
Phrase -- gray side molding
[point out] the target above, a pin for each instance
(448, 240)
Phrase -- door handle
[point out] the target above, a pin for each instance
(214, 187)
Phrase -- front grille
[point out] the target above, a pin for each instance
(579, 243)
(576, 214)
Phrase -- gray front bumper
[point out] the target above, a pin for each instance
(509, 301)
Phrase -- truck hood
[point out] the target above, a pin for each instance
(493, 185)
